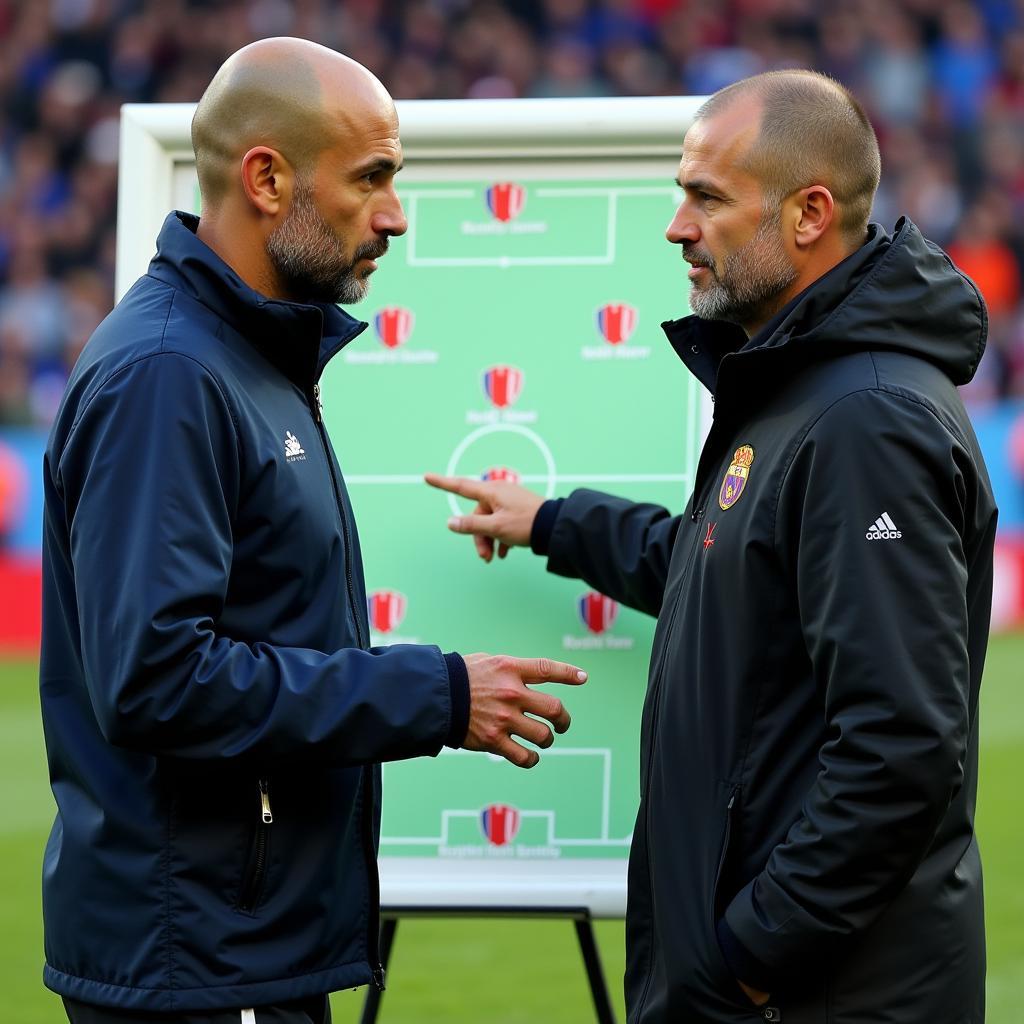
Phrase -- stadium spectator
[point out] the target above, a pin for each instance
(943, 83)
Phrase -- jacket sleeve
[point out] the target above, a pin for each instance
(619, 547)
(885, 627)
(150, 478)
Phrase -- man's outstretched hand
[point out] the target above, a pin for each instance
(504, 513)
(501, 704)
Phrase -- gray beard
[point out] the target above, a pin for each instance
(310, 258)
(751, 280)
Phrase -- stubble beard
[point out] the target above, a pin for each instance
(310, 258)
(751, 281)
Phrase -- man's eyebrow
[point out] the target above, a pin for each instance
(381, 164)
(698, 185)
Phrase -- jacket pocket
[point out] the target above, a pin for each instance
(723, 857)
(255, 873)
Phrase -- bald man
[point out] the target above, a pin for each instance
(214, 716)
(804, 850)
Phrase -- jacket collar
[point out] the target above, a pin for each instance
(898, 293)
(704, 344)
(297, 338)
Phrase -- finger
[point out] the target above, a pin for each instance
(536, 732)
(519, 755)
(503, 550)
(543, 670)
(472, 524)
(548, 707)
(484, 547)
(463, 485)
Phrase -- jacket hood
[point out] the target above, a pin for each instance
(898, 292)
(274, 326)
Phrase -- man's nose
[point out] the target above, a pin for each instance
(391, 219)
(682, 227)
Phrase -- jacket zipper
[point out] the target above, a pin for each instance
(722, 855)
(372, 875)
(695, 516)
(252, 886)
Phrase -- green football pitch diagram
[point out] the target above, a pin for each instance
(515, 334)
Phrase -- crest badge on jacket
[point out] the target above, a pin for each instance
(736, 477)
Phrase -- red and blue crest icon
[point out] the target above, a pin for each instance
(502, 385)
(616, 321)
(393, 326)
(386, 609)
(499, 824)
(500, 474)
(505, 200)
(596, 611)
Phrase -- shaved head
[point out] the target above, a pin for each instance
(812, 132)
(291, 95)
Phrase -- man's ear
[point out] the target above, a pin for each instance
(813, 213)
(266, 180)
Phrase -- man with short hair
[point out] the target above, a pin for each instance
(214, 716)
(805, 841)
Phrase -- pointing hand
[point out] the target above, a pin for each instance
(501, 704)
(504, 512)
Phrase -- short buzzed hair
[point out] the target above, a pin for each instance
(255, 99)
(813, 131)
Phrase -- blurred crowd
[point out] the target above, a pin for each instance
(943, 81)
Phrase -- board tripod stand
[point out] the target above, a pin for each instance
(580, 916)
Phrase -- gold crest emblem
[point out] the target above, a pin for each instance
(736, 477)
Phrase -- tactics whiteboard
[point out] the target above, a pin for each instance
(514, 331)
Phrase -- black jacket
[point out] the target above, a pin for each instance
(810, 737)
(212, 713)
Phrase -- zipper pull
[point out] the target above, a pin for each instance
(698, 514)
(265, 802)
(319, 403)
(378, 978)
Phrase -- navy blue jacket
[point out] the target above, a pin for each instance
(212, 712)
(809, 746)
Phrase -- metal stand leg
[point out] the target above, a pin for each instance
(371, 1005)
(595, 974)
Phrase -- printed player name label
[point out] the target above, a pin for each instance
(499, 852)
(594, 352)
(386, 355)
(500, 416)
(597, 643)
(497, 227)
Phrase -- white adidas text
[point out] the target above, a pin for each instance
(883, 528)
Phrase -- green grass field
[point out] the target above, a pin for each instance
(449, 970)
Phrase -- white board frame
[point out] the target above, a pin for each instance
(155, 146)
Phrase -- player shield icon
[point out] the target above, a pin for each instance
(393, 326)
(499, 824)
(502, 385)
(505, 200)
(616, 321)
(501, 474)
(386, 609)
(596, 611)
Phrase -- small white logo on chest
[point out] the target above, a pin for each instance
(883, 528)
(293, 450)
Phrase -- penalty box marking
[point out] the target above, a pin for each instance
(610, 193)
(447, 816)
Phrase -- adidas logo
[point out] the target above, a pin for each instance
(292, 449)
(883, 528)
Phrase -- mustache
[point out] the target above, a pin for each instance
(371, 250)
(698, 258)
